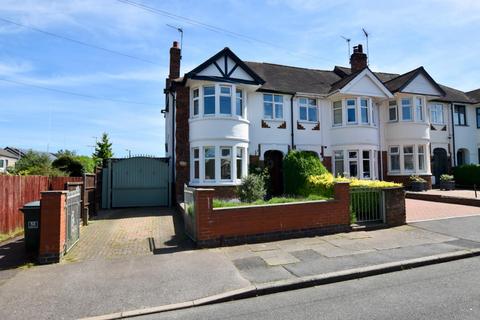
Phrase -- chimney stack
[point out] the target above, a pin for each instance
(358, 59)
(175, 56)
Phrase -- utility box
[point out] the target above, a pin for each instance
(31, 213)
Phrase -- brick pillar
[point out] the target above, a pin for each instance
(395, 211)
(203, 212)
(52, 226)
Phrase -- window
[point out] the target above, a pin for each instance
(196, 101)
(225, 163)
(478, 117)
(392, 111)
(408, 163)
(351, 111)
(226, 100)
(209, 100)
(421, 158)
(239, 104)
(338, 163)
(366, 164)
(239, 162)
(209, 163)
(406, 109)
(364, 110)
(459, 115)
(436, 114)
(196, 163)
(419, 109)
(353, 163)
(2, 164)
(337, 113)
(272, 106)
(394, 158)
(308, 109)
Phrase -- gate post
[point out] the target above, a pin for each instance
(52, 226)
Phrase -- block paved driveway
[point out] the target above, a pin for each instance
(129, 232)
(421, 210)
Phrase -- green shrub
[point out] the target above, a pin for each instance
(446, 177)
(414, 178)
(219, 203)
(252, 188)
(297, 167)
(467, 174)
(70, 165)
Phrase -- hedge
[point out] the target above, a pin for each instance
(297, 167)
(467, 174)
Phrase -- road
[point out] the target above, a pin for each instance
(444, 291)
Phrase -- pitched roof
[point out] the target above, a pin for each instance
(5, 153)
(383, 76)
(289, 79)
(474, 95)
(400, 82)
(454, 95)
(20, 152)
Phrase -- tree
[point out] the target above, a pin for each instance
(70, 165)
(103, 150)
(87, 162)
(36, 163)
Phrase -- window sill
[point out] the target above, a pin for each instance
(216, 183)
(308, 122)
(273, 120)
(351, 125)
(219, 117)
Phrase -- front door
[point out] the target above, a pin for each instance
(440, 163)
(274, 163)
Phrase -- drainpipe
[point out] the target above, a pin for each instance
(291, 121)
(454, 154)
(379, 120)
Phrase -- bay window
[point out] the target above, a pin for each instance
(308, 109)
(419, 109)
(337, 113)
(209, 100)
(421, 157)
(239, 103)
(225, 163)
(272, 106)
(209, 156)
(239, 159)
(392, 111)
(408, 163)
(406, 109)
(394, 158)
(353, 163)
(196, 163)
(196, 101)
(351, 111)
(366, 171)
(226, 100)
(436, 114)
(338, 163)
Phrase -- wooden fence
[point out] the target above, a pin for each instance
(15, 191)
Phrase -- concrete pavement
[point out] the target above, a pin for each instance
(102, 286)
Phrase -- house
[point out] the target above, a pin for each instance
(227, 114)
(7, 159)
(20, 152)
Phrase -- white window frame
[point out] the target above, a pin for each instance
(421, 157)
(229, 158)
(242, 102)
(456, 118)
(204, 96)
(370, 162)
(205, 158)
(239, 156)
(339, 106)
(341, 158)
(412, 155)
(390, 107)
(419, 109)
(396, 154)
(225, 95)
(354, 107)
(403, 107)
(308, 104)
(197, 100)
(367, 108)
(275, 106)
(196, 159)
(435, 113)
(353, 159)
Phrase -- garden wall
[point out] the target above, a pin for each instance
(221, 226)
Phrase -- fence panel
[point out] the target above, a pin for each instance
(367, 204)
(189, 209)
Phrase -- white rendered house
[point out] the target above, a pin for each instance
(228, 113)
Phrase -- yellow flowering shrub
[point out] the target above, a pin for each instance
(323, 184)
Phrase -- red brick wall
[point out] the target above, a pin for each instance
(400, 179)
(216, 225)
(52, 226)
(182, 145)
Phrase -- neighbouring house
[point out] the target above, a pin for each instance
(7, 159)
(228, 113)
(20, 152)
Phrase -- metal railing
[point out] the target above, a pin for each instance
(367, 204)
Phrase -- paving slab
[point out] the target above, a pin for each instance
(256, 270)
(277, 257)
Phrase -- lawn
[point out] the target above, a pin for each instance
(217, 203)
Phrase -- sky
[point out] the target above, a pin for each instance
(109, 77)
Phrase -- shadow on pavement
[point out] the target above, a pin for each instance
(125, 213)
(178, 241)
(12, 254)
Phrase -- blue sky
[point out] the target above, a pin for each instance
(441, 35)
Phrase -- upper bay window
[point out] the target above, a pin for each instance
(410, 109)
(459, 115)
(392, 111)
(436, 114)
(218, 100)
(364, 110)
(272, 106)
(407, 109)
(351, 111)
(308, 109)
(358, 111)
(419, 109)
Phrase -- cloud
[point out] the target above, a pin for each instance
(8, 69)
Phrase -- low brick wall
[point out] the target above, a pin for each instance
(405, 180)
(223, 226)
(445, 199)
(395, 210)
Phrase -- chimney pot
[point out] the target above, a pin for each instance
(175, 56)
(358, 59)
(175, 44)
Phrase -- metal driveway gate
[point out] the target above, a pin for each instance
(136, 182)
(73, 210)
(367, 204)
